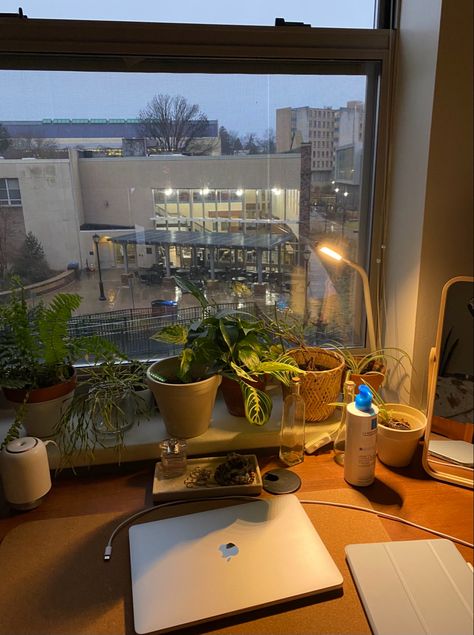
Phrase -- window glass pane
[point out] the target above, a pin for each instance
(244, 194)
(318, 13)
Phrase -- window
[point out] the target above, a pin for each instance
(244, 178)
(9, 192)
(336, 14)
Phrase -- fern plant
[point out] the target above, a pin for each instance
(232, 343)
(36, 350)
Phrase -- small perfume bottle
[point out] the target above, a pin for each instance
(340, 440)
(292, 426)
(173, 457)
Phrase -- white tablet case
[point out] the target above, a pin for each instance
(414, 587)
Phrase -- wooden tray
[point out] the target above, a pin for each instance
(165, 489)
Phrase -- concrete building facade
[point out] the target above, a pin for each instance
(65, 201)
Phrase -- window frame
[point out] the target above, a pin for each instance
(79, 45)
(10, 201)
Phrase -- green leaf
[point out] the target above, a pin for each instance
(249, 358)
(173, 334)
(258, 405)
(186, 285)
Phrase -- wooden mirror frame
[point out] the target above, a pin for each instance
(451, 474)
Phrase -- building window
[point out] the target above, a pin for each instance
(246, 185)
(10, 192)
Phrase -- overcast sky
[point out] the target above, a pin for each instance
(240, 103)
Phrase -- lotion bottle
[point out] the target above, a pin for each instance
(361, 438)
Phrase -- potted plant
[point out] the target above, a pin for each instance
(36, 359)
(113, 396)
(235, 345)
(370, 368)
(399, 429)
(323, 368)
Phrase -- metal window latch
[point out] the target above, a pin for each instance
(20, 15)
(283, 22)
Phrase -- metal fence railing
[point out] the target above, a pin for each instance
(131, 329)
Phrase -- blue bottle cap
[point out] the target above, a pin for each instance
(363, 400)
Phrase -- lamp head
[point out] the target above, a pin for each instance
(96, 238)
(327, 251)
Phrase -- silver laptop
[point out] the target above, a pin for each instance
(198, 567)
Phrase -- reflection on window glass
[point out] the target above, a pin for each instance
(239, 188)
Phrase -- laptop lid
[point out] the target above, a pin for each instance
(201, 566)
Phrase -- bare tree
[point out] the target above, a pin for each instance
(230, 141)
(37, 148)
(176, 125)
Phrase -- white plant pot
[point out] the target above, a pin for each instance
(396, 448)
(186, 408)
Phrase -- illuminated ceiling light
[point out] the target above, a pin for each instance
(168, 192)
(239, 192)
(346, 193)
(336, 189)
(205, 191)
(276, 190)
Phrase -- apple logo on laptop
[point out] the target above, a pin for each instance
(229, 550)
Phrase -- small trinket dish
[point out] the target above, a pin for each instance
(199, 481)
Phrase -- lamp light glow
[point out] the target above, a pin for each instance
(331, 253)
(168, 192)
(327, 251)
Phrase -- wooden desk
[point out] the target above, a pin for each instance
(78, 593)
(406, 492)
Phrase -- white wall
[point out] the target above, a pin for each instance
(49, 209)
(430, 200)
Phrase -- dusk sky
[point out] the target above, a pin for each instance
(240, 103)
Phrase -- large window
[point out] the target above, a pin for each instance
(193, 151)
(9, 192)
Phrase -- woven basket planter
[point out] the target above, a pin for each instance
(319, 387)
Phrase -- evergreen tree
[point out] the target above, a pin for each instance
(31, 264)
(4, 139)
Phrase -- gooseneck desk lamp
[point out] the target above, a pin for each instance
(327, 251)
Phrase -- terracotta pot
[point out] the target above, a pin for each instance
(38, 395)
(373, 379)
(45, 406)
(186, 408)
(396, 448)
(232, 393)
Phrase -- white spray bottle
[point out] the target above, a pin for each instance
(361, 438)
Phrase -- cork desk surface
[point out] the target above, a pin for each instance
(96, 499)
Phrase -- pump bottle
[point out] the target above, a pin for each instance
(361, 438)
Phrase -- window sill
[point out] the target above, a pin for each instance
(226, 433)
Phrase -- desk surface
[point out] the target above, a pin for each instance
(406, 492)
(99, 601)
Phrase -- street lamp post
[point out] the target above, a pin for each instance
(307, 255)
(96, 239)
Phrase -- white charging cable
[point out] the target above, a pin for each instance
(124, 523)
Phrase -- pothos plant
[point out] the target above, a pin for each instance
(234, 344)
